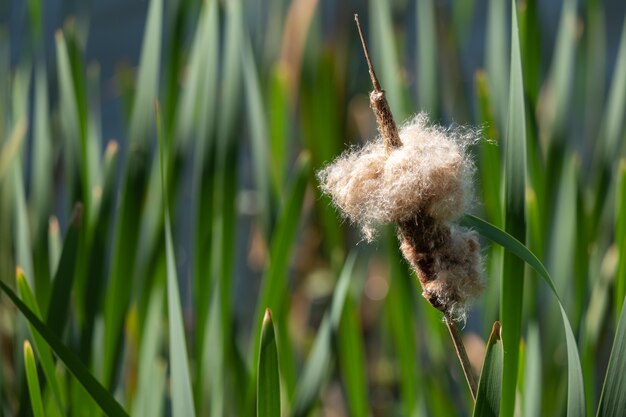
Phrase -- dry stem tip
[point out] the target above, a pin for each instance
(375, 82)
(384, 118)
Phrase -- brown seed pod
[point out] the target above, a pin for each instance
(447, 261)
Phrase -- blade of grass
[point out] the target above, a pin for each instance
(55, 245)
(7, 264)
(21, 228)
(221, 188)
(214, 365)
(512, 281)
(426, 57)
(611, 132)
(489, 387)
(197, 104)
(273, 291)
(595, 79)
(596, 317)
(280, 124)
(495, 59)
(490, 169)
(147, 78)
(152, 404)
(535, 237)
(35, 13)
(620, 237)
(80, 401)
(531, 401)
(462, 13)
(351, 360)
(41, 184)
(385, 56)
(134, 183)
(287, 358)
(321, 118)
(274, 287)
(268, 381)
(563, 235)
(317, 369)
(490, 165)
(319, 363)
(150, 244)
(43, 351)
(94, 129)
(530, 45)
(182, 398)
(5, 73)
(613, 398)
(182, 394)
(207, 39)
(104, 399)
(259, 136)
(151, 378)
(400, 310)
(241, 376)
(175, 50)
(227, 168)
(19, 93)
(12, 147)
(231, 68)
(575, 386)
(562, 72)
(123, 259)
(58, 308)
(73, 117)
(96, 275)
(33, 380)
(614, 117)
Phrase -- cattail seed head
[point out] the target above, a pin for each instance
(422, 184)
(430, 173)
(447, 261)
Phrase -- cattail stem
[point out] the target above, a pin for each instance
(462, 354)
(389, 132)
(375, 82)
(384, 118)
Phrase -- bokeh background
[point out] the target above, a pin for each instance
(255, 97)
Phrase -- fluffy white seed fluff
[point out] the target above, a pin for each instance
(430, 173)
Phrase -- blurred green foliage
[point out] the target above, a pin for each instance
(149, 299)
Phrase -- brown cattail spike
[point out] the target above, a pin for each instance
(384, 118)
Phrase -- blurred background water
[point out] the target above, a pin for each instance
(113, 31)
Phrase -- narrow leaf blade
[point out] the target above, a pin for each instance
(575, 386)
(58, 309)
(489, 387)
(613, 398)
(104, 398)
(318, 365)
(182, 394)
(268, 381)
(43, 351)
(512, 281)
(33, 380)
